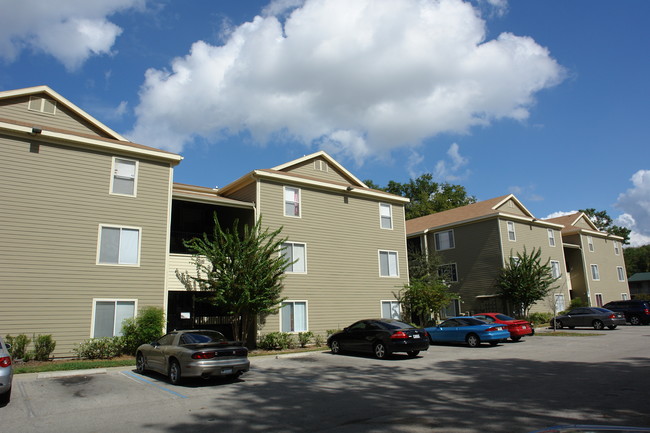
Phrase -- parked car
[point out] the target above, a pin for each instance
(382, 337)
(518, 328)
(595, 317)
(468, 330)
(6, 373)
(193, 353)
(636, 311)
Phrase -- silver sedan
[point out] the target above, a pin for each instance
(6, 373)
(193, 353)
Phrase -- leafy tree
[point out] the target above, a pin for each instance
(525, 280)
(243, 270)
(637, 259)
(427, 196)
(427, 293)
(604, 223)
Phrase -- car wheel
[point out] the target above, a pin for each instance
(558, 324)
(597, 324)
(139, 363)
(413, 353)
(473, 340)
(5, 397)
(174, 372)
(515, 339)
(634, 320)
(612, 326)
(380, 351)
(335, 347)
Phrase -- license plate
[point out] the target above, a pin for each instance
(416, 335)
(226, 371)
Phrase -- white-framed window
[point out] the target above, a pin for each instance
(617, 248)
(512, 236)
(551, 237)
(444, 240)
(124, 176)
(388, 265)
(555, 269)
(559, 302)
(590, 243)
(595, 274)
(42, 105)
(448, 272)
(385, 216)
(599, 299)
(624, 296)
(390, 310)
(620, 273)
(293, 316)
(118, 245)
(108, 315)
(295, 252)
(292, 202)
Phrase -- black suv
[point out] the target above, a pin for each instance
(636, 311)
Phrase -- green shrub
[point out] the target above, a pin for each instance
(304, 338)
(319, 340)
(332, 331)
(44, 345)
(145, 328)
(276, 341)
(18, 345)
(576, 303)
(540, 318)
(99, 348)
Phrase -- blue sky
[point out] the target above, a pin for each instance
(546, 99)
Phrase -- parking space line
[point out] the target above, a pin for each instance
(142, 379)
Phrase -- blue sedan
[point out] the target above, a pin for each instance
(467, 330)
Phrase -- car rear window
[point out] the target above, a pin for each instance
(504, 317)
(202, 337)
(394, 324)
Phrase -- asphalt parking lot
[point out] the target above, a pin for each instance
(514, 387)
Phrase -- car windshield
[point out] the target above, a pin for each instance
(504, 317)
(394, 324)
(202, 337)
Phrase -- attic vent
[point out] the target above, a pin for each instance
(42, 105)
(320, 165)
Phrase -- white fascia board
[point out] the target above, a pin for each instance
(228, 202)
(327, 185)
(329, 159)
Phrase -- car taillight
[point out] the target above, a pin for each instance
(399, 334)
(5, 361)
(494, 328)
(646, 311)
(612, 316)
(203, 355)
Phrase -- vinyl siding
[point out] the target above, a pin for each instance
(17, 109)
(607, 261)
(53, 203)
(510, 206)
(342, 283)
(307, 168)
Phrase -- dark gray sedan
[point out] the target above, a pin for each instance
(595, 317)
(193, 353)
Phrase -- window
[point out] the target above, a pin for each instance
(555, 269)
(291, 201)
(452, 310)
(448, 272)
(621, 274)
(617, 248)
(119, 246)
(386, 216)
(444, 240)
(559, 302)
(590, 243)
(388, 264)
(595, 274)
(551, 237)
(390, 310)
(46, 106)
(293, 316)
(295, 252)
(108, 317)
(624, 296)
(123, 181)
(599, 299)
(511, 231)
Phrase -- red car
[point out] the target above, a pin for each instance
(518, 328)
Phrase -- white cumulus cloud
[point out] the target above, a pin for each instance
(69, 30)
(360, 78)
(635, 204)
(451, 170)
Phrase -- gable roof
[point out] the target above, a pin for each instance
(279, 173)
(639, 276)
(472, 212)
(571, 221)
